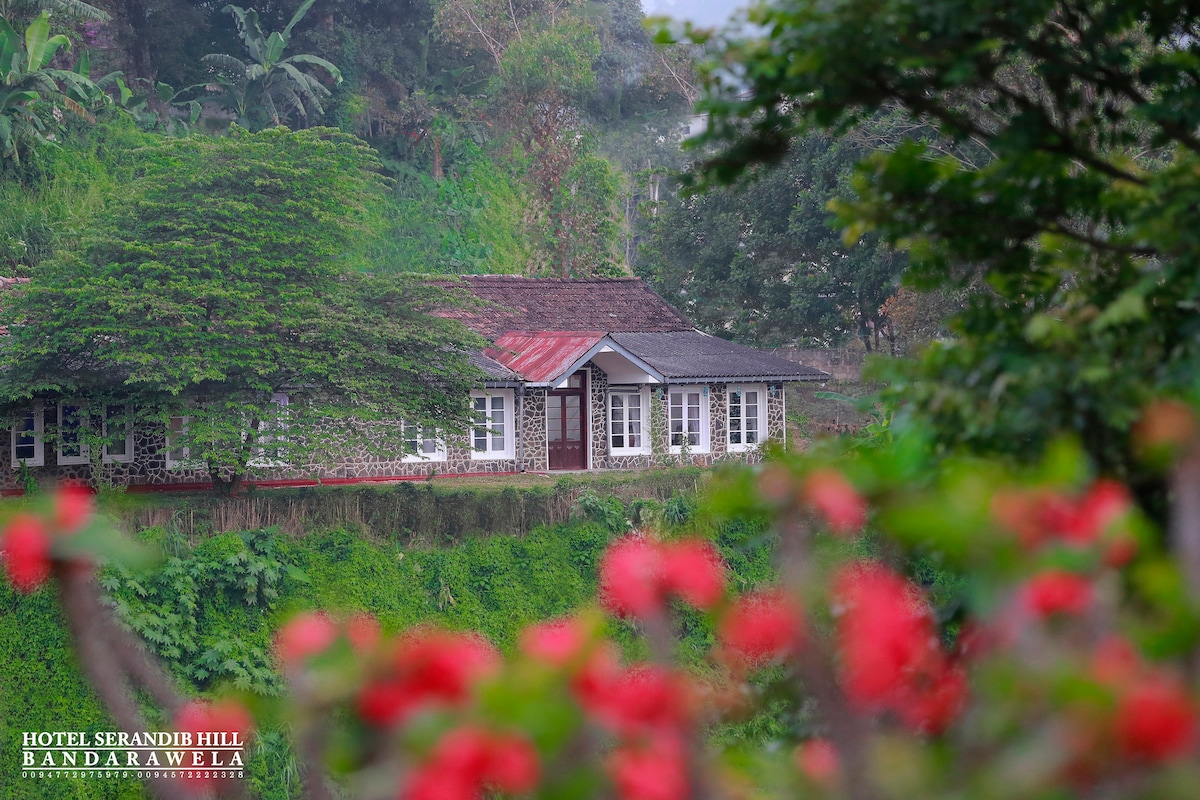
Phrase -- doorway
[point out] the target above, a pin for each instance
(566, 424)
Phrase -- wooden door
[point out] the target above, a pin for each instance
(566, 424)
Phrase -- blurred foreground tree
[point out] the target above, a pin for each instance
(1077, 218)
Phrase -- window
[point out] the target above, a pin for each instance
(747, 417)
(422, 445)
(118, 434)
(628, 426)
(72, 421)
(178, 455)
(27, 444)
(688, 420)
(271, 434)
(492, 424)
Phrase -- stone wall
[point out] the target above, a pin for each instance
(148, 466)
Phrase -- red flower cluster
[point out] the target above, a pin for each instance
(26, 541)
(427, 667)
(638, 575)
(650, 769)
(761, 627)
(223, 716)
(891, 657)
(836, 499)
(469, 760)
(1039, 516)
(312, 633)
(1055, 592)
(818, 760)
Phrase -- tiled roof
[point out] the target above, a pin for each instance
(493, 369)
(691, 355)
(545, 355)
(517, 303)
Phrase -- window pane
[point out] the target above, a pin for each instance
(115, 431)
(177, 427)
(26, 438)
(69, 444)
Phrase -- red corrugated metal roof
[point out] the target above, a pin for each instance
(542, 356)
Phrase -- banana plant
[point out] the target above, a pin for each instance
(268, 89)
(32, 95)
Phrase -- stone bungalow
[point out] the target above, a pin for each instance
(586, 374)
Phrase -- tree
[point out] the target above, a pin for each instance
(229, 274)
(1078, 221)
(269, 89)
(31, 93)
(764, 265)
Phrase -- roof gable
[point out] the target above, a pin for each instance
(607, 305)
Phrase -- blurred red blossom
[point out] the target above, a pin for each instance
(760, 627)
(426, 666)
(637, 575)
(836, 499)
(650, 769)
(1057, 591)
(26, 546)
(303, 636)
(468, 760)
(817, 760)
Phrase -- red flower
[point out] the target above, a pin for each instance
(932, 702)
(641, 699)
(818, 760)
(469, 759)
(655, 770)
(761, 627)
(72, 508)
(26, 548)
(1156, 720)
(1105, 503)
(224, 717)
(885, 634)
(692, 569)
(362, 631)
(836, 499)
(559, 642)
(303, 636)
(430, 666)
(631, 578)
(1057, 592)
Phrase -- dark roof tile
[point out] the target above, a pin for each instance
(691, 355)
(517, 303)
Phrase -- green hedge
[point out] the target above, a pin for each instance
(430, 511)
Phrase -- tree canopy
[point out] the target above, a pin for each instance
(1078, 215)
(232, 272)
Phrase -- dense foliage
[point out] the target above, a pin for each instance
(229, 274)
(1075, 217)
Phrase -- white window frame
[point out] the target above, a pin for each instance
(39, 442)
(185, 451)
(85, 449)
(507, 428)
(704, 444)
(761, 407)
(272, 433)
(643, 394)
(409, 457)
(118, 458)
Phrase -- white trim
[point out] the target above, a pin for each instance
(418, 457)
(507, 425)
(37, 413)
(118, 458)
(270, 434)
(643, 394)
(760, 407)
(186, 461)
(85, 449)
(605, 345)
(704, 436)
